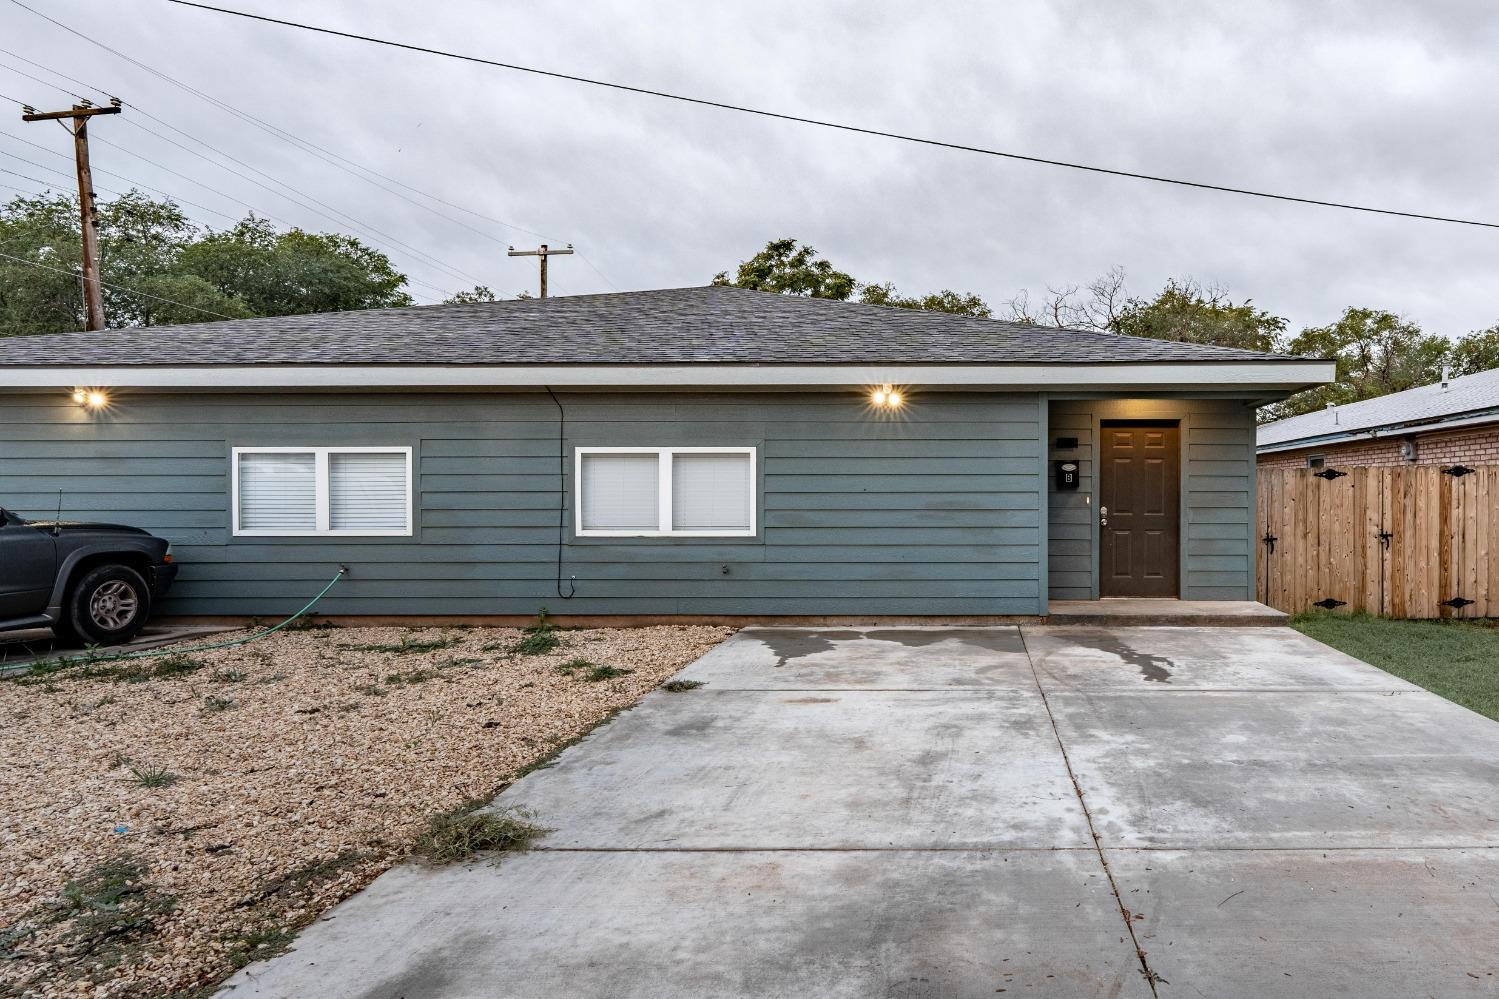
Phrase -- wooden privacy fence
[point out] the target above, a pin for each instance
(1409, 542)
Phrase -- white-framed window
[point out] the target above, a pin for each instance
(659, 492)
(313, 491)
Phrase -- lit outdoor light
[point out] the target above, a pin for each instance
(97, 400)
(886, 397)
(79, 396)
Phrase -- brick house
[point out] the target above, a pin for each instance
(1455, 421)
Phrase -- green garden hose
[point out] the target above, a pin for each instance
(343, 570)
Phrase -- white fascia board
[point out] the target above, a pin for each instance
(1253, 375)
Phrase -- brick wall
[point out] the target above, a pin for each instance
(1477, 445)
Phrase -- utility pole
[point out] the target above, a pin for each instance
(543, 252)
(93, 295)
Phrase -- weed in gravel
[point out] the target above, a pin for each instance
(459, 834)
(605, 672)
(456, 662)
(176, 664)
(410, 677)
(371, 690)
(101, 916)
(301, 880)
(151, 775)
(537, 643)
(309, 622)
(406, 646)
(213, 703)
(541, 637)
(573, 665)
(681, 686)
(230, 675)
(259, 944)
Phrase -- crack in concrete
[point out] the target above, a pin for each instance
(1151, 978)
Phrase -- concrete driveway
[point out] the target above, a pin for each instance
(955, 813)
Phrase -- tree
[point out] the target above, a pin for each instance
(1478, 351)
(294, 272)
(1377, 352)
(1184, 311)
(957, 303)
(789, 269)
(159, 268)
(479, 293)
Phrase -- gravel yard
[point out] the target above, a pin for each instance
(168, 819)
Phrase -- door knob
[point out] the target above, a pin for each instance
(1103, 516)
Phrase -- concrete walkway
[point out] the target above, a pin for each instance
(945, 814)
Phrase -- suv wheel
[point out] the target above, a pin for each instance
(108, 605)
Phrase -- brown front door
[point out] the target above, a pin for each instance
(1139, 518)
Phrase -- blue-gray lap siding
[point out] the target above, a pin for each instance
(934, 511)
(1217, 495)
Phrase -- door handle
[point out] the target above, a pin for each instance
(1103, 516)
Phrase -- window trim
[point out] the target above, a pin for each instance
(664, 492)
(320, 487)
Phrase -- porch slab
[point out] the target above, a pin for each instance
(1152, 611)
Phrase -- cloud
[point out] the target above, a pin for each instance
(1382, 103)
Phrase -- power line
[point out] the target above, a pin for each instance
(345, 218)
(302, 144)
(344, 163)
(116, 287)
(128, 180)
(822, 123)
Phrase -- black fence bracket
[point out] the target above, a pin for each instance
(1329, 603)
(1458, 471)
(1329, 474)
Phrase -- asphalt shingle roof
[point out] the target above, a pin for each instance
(1468, 394)
(710, 325)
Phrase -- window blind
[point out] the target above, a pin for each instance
(367, 491)
(619, 492)
(710, 492)
(277, 492)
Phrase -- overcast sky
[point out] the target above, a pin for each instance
(1378, 102)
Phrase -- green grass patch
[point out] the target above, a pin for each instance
(1457, 659)
(681, 686)
(465, 831)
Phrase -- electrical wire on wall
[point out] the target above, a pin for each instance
(572, 581)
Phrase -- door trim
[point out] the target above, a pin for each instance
(1167, 411)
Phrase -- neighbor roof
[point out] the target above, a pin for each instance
(1468, 399)
(711, 325)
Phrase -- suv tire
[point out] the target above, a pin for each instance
(108, 605)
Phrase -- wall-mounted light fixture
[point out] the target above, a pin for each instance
(886, 397)
(94, 399)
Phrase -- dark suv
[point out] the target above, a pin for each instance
(92, 583)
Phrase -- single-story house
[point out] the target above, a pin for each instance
(695, 452)
(1452, 422)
